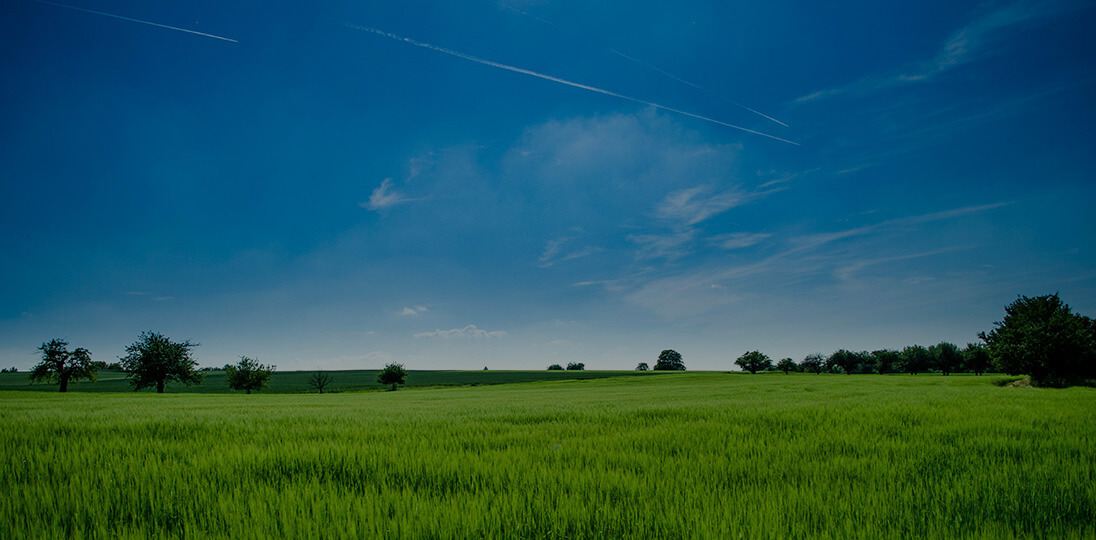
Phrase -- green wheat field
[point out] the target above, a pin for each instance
(681, 455)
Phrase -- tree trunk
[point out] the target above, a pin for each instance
(64, 383)
(248, 391)
(160, 387)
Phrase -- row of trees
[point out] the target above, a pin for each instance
(942, 358)
(571, 366)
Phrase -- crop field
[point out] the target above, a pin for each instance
(341, 381)
(682, 455)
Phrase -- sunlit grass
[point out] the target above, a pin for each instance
(679, 455)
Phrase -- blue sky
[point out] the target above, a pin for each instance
(319, 195)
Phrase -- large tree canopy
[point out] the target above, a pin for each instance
(60, 366)
(669, 360)
(754, 361)
(154, 360)
(1043, 338)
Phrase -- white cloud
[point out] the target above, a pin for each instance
(965, 45)
(468, 332)
(670, 246)
(412, 311)
(554, 248)
(693, 205)
(737, 240)
(385, 197)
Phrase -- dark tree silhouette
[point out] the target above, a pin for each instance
(60, 366)
(248, 375)
(576, 366)
(155, 360)
(754, 361)
(813, 363)
(1041, 337)
(392, 374)
(847, 361)
(319, 381)
(669, 360)
(915, 358)
(976, 358)
(555, 367)
(787, 365)
(885, 360)
(642, 366)
(946, 357)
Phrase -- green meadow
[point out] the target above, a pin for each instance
(679, 455)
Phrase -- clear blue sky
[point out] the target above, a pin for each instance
(320, 195)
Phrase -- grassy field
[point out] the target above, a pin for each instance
(297, 381)
(685, 455)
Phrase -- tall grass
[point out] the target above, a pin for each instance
(680, 455)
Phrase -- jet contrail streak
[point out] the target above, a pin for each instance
(694, 85)
(195, 32)
(558, 80)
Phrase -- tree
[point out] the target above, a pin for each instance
(976, 358)
(248, 375)
(915, 358)
(155, 360)
(576, 366)
(60, 366)
(1041, 337)
(642, 366)
(845, 360)
(392, 374)
(813, 363)
(754, 361)
(885, 360)
(669, 360)
(787, 365)
(946, 357)
(555, 367)
(319, 381)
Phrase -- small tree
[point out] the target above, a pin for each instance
(976, 358)
(60, 366)
(846, 360)
(813, 363)
(248, 375)
(576, 366)
(754, 361)
(946, 357)
(154, 360)
(669, 360)
(915, 358)
(555, 367)
(885, 360)
(642, 366)
(392, 374)
(787, 365)
(319, 381)
(1043, 338)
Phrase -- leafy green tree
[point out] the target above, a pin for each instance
(946, 357)
(60, 366)
(576, 366)
(319, 380)
(669, 360)
(155, 360)
(885, 360)
(914, 359)
(392, 374)
(1041, 337)
(976, 358)
(555, 367)
(248, 375)
(754, 361)
(813, 363)
(846, 360)
(787, 365)
(642, 366)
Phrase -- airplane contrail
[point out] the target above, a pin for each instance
(558, 80)
(651, 66)
(150, 23)
(694, 85)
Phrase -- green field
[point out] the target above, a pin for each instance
(682, 455)
(295, 382)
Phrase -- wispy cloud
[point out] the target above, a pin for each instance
(554, 252)
(412, 311)
(384, 196)
(671, 246)
(737, 240)
(967, 44)
(468, 332)
(815, 240)
(693, 205)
